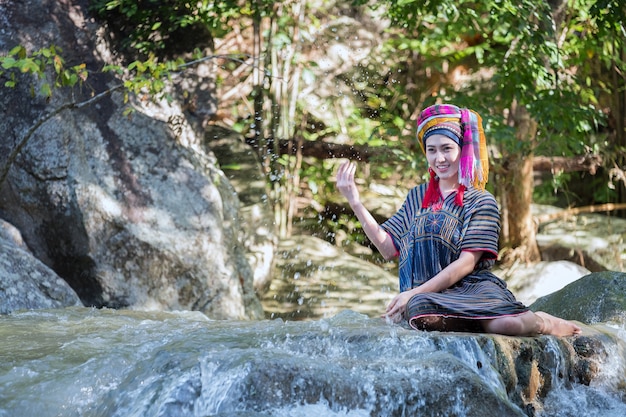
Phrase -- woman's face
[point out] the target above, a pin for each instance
(443, 155)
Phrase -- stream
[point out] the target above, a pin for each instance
(88, 362)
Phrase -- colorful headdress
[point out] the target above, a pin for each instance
(447, 118)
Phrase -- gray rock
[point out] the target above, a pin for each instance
(241, 165)
(26, 283)
(315, 279)
(595, 241)
(131, 211)
(529, 282)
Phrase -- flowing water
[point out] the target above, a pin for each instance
(87, 362)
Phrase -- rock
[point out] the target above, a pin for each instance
(131, 211)
(529, 282)
(599, 297)
(10, 234)
(315, 279)
(440, 381)
(26, 283)
(241, 166)
(595, 241)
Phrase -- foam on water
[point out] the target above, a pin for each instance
(84, 362)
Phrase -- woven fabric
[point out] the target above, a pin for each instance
(429, 240)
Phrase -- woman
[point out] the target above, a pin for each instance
(446, 237)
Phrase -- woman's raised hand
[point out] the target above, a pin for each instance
(345, 182)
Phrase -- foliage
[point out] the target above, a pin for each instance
(145, 78)
(18, 61)
(510, 52)
(532, 58)
(153, 26)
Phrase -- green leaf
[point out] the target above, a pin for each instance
(8, 62)
(45, 90)
(232, 167)
(18, 51)
(30, 66)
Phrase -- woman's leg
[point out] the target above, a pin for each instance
(531, 324)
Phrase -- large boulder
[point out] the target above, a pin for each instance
(130, 211)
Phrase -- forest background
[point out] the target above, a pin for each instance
(546, 76)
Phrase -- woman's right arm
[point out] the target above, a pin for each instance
(377, 235)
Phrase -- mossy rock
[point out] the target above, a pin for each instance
(599, 297)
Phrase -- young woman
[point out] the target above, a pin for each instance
(446, 237)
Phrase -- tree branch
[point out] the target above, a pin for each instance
(589, 163)
(328, 150)
(579, 210)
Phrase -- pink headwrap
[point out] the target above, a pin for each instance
(474, 164)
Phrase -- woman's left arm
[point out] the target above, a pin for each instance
(448, 276)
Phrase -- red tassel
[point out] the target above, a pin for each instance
(458, 199)
(432, 194)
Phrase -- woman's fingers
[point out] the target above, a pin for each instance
(346, 171)
(394, 317)
(350, 170)
(345, 181)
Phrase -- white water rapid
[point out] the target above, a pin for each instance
(88, 363)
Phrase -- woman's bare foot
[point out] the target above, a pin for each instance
(555, 326)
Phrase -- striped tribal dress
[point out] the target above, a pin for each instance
(428, 240)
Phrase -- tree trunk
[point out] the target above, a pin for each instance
(619, 115)
(518, 229)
